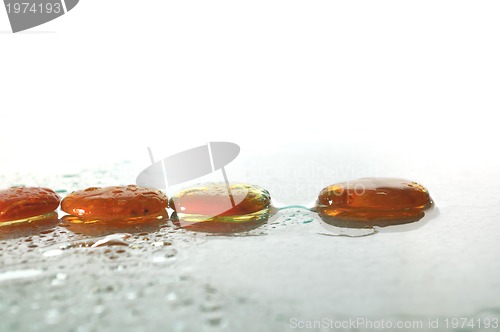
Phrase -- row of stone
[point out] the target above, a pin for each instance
(375, 200)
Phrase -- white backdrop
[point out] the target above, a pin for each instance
(314, 92)
(110, 78)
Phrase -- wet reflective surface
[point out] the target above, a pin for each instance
(30, 226)
(157, 276)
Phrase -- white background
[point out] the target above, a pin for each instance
(110, 78)
(309, 89)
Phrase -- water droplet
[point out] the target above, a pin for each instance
(53, 253)
(112, 240)
(19, 274)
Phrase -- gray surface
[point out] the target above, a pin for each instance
(174, 280)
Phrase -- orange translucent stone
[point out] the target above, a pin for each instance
(113, 203)
(25, 202)
(210, 208)
(375, 201)
(211, 200)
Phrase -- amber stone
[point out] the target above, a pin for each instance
(19, 203)
(376, 201)
(210, 208)
(213, 200)
(42, 224)
(115, 203)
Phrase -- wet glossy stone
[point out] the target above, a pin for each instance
(213, 200)
(210, 207)
(18, 203)
(374, 201)
(115, 203)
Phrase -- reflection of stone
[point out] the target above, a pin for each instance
(364, 219)
(29, 226)
(373, 202)
(148, 224)
(221, 224)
